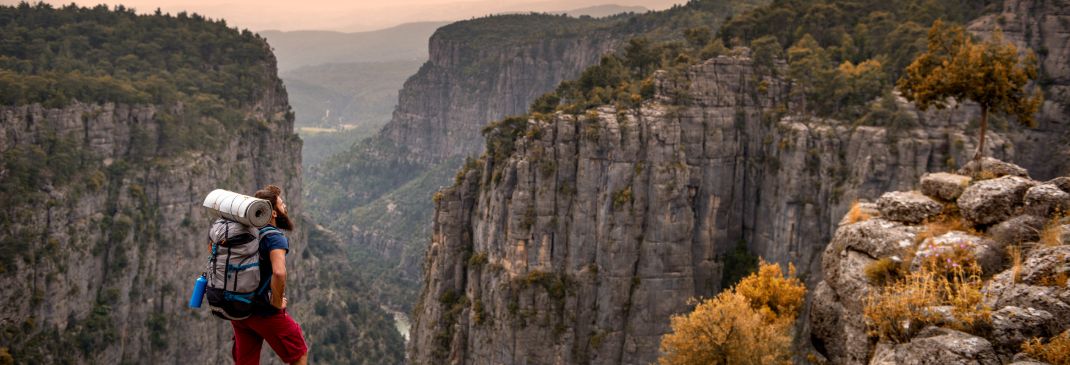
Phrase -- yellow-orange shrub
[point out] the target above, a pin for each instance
(1055, 352)
(900, 309)
(772, 292)
(856, 214)
(748, 324)
(1051, 235)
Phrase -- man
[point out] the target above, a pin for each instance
(270, 321)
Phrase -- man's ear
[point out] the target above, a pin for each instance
(274, 213)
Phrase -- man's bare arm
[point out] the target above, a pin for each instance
(278, 278)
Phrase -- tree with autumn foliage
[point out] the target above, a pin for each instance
(990, 73)
(748, 324)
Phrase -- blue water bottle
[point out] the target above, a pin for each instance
(198, 292)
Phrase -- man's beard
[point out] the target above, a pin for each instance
(282, 221)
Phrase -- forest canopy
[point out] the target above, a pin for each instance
(55, 56)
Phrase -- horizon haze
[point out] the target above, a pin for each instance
(356, 16)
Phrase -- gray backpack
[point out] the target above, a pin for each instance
(234, 278)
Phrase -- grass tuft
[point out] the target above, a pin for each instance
(1056, 351)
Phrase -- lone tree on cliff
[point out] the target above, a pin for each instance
(989, 73)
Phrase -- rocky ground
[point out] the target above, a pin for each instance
(1012, 226)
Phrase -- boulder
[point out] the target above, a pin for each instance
(1018, 230)
(993, 201)
(941, 346)
(1038, 286)
(944, 186)
(838, 328)
(984, 250)
(1013, 325)
(995, 167)
(1046, 199)
(908, 206)
(868, 240)
(1063, 182)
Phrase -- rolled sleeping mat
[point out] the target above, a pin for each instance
(240, 208)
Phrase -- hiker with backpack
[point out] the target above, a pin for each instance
(246, 277)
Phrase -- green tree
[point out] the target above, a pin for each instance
(990, 73)
(809, 68)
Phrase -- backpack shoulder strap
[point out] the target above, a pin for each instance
(268, 230)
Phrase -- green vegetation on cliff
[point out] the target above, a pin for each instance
(57, 55)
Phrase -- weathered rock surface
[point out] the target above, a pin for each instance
(124, 238)
(908, 206)
(1011, 326)
(993, 166)
(1017, 230)
(938, 346)
(1040, 287)
(944, 186)
(843, 336)
(1046, 200)
(1063, 182)
(988, 256)
(992, 201)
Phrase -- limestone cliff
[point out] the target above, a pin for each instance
(110, 251)
(578, 246)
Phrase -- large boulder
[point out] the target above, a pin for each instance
(944, 186)
(908, 206)
(995, 167)
(993, 201)
(1062, 182)
(838, 327)
(935, 346)
(984, 250)
(1018, 230)
(1041, 284)
(1045, 200)
(1013, 325)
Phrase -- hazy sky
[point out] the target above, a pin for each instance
(355, 15)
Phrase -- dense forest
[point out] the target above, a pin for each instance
(59, 55)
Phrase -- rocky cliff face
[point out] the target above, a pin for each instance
(111, 250)
(464, 86)
(578, 246)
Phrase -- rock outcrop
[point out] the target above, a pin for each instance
(1024, 299)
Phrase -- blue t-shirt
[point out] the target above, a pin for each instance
(273, 241)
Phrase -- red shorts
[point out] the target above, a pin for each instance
(280, 331)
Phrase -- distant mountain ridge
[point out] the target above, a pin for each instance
(295, 49)
(599, 11)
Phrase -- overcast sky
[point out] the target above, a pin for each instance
(353, 15)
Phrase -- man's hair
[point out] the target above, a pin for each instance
(270, 193)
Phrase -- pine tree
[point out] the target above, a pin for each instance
(990, 73)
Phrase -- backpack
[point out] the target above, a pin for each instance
(234, 285)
